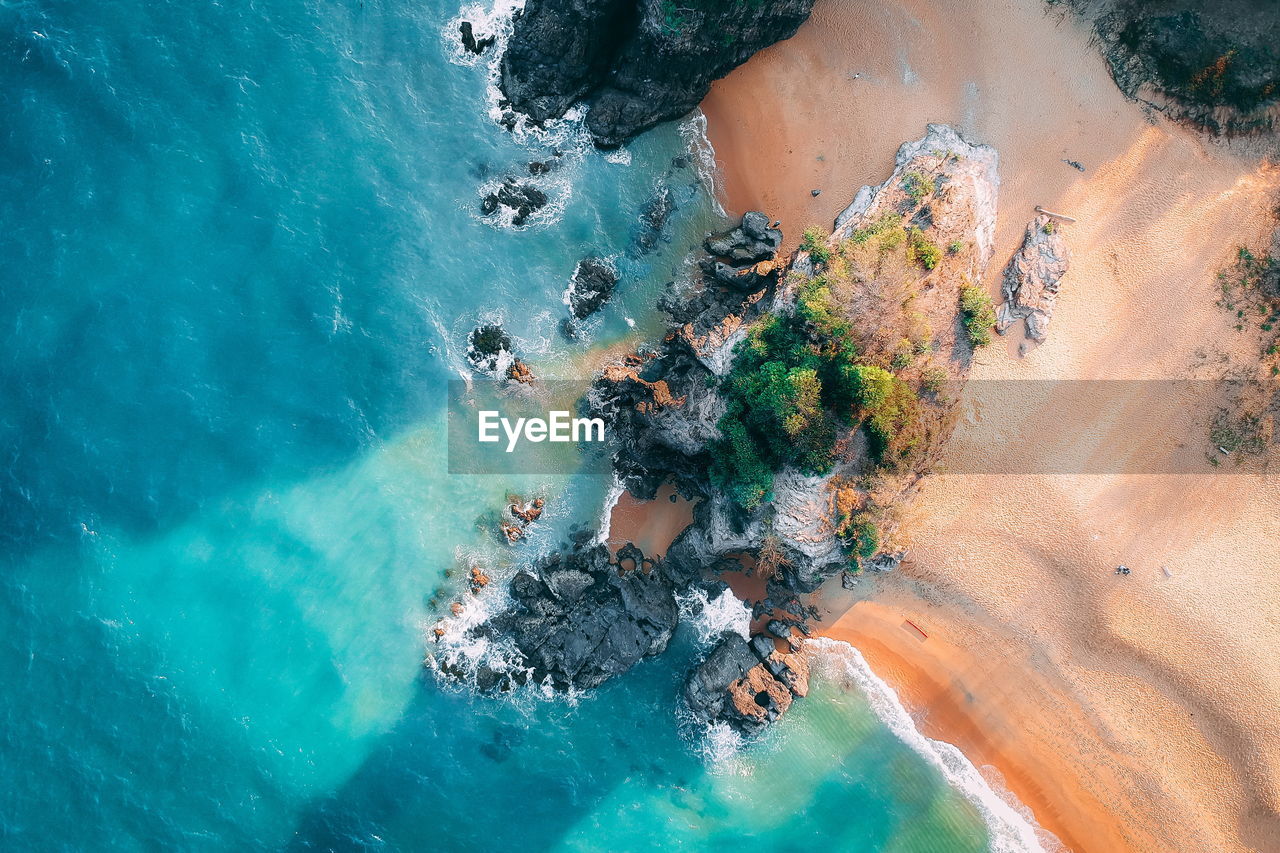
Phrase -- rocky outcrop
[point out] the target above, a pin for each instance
(489, 349)
(636, 62)
(1213, 63)
(580, 618)
(519, 199)
(472, 44)
(591, 286)
(491, 353)
(746, 685)
(1032, 278)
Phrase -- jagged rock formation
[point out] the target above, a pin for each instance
(580, 618)
(746, 684)
(1215, 63)
(491, 353)
(520, 199)
(591, 286)
(636, 63)
(1031, 279)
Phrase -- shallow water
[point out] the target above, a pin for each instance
(241, 253)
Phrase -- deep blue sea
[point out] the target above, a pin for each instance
(240, 250)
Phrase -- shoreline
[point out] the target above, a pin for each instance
(1142, 706)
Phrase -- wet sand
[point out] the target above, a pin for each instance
(650, 525)
(1129, 713)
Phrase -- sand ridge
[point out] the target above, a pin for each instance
(1138, 712)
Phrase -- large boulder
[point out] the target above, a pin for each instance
(1032, 278)
(753, 240)
(591, 286)
(747, 685)
(580, 618)
(637, 62)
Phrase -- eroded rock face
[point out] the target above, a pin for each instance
(1213, 63)
(745, 684)
(1031, 279)
(636, 62)
(580, 618)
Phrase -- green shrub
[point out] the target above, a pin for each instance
(921, 250)
(918, 185)
(954, 247)
(978, 314)
(933, 379)
(815, 243)
(889, 223)
(865, 539)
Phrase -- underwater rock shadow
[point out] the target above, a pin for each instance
(465, 771)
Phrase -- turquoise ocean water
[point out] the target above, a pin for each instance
(240, 254)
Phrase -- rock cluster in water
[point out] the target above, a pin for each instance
(520, 198)
(1032, 278)
(591, 286)
(491, 353)
(580, 618)
(636, 63)
(746, 684)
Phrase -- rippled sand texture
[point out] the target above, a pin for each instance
(1138, 712)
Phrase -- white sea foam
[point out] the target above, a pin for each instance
(616, 488)
(712, 617)
(493, 20)
(1012, 830)
(619, 156)
(693, 131)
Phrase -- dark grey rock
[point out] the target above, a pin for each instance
(636, 63)
(579, 618)
(591, 286)
(489, 349)
(471, 43)
(523, 199)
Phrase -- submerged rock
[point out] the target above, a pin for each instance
(591, 286)
(636, 63)
(522, 198)
(1031, 279)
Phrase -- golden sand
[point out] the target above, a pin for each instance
(1138, 712)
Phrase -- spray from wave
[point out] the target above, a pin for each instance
(711, 618)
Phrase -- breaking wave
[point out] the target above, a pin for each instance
(1011, 830)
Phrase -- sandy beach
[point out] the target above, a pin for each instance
(1129, 713)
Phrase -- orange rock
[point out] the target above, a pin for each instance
(456, 608)
(520, 372)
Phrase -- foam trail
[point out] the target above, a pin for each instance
(693, 131)
(1011, 832)
(606, 513)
